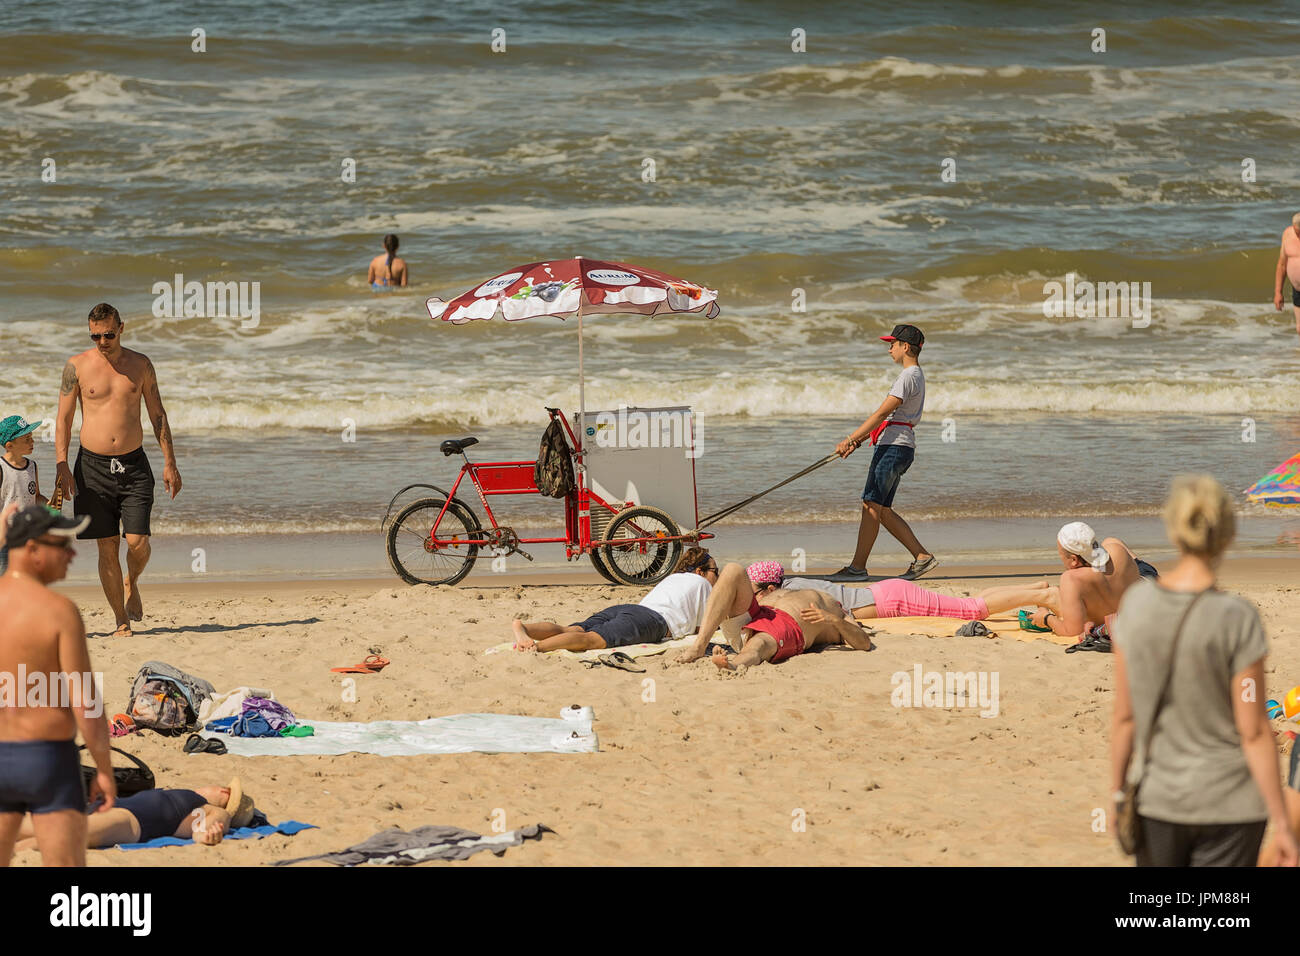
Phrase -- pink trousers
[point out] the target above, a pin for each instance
(899, 598)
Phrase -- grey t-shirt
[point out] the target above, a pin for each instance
(910, 387)
(1196, 773)
(18, 484)
(850, 598)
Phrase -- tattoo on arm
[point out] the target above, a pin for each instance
(69, 384)
(162, 430)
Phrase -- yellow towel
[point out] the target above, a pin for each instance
(1003, 625)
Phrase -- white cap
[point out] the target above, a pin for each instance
(1079, 538)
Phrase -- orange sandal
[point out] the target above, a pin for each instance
(371, 665)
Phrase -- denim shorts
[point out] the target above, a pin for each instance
(625, 624)
(888, 465)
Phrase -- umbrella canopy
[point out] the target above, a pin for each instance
(577, 286)
(1281, 486)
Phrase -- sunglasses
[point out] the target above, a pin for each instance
(106, 336)
(63, 543)
(713, 568)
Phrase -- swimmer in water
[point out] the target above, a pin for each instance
(388, 271)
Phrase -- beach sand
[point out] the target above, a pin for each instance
(714, 769)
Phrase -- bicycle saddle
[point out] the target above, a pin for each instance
(454, 446)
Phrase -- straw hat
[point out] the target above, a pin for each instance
(239, 806)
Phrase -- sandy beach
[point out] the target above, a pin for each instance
(714, 770)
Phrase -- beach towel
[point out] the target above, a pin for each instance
(631, 650)
(397, 847)
(456, 734)
(999, 625)
(288, 828)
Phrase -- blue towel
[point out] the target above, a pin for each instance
(288, 828)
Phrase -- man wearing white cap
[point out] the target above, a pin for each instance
(1096, 576)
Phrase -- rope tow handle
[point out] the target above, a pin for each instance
(719, 515)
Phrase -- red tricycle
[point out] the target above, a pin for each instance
(435, 540)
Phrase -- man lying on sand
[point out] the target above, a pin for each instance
(769, 628)
(1096, 577)
(673, 609)
(206, 814)
(899, 598)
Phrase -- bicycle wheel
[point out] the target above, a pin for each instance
(648, 562)
(414, 556)
(599, 564)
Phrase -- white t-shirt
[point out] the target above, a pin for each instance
(18, 484)
(910, 387)
(680, 599)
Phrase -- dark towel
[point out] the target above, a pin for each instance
(401, 848)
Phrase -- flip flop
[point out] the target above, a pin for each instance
(371, 665)
(201, 745)
(1027, 625)
(1090, 643)
(622, 662)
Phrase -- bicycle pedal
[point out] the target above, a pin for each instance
(524, 553)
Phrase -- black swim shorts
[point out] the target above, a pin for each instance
(1295, 298)
(625, 624)
(40, 776)
(115, 490)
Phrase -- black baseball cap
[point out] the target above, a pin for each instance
(33, 521)
(905, 333)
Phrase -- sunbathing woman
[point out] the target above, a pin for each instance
(206, 814)
(898, 598)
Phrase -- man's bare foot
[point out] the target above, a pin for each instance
(522, 641)
(134, 606)
(123, 630)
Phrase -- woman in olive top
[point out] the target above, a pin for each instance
(1209, 783)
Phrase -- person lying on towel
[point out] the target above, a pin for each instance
(205, 814)
(899, 598)
(672, 610)
(1096, 577)
(773, 626)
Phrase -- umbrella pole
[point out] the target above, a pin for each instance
(582, 392)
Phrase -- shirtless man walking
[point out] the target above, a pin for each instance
(1096, 577)
(1288, 267)
(112, 482)
(779, 625)
(41, 634)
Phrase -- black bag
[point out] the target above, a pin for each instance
(129, 780)
(553, 473)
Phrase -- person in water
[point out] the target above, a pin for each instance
(389, 270)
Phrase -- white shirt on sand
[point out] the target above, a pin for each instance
(680, 599)
(910, 387)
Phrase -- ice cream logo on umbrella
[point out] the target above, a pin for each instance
(546, 291)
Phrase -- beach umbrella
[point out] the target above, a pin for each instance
(1281, 486)
(578, 286)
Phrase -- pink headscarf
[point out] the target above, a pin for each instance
(766, 572)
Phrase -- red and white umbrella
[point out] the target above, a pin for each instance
(577, 286)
